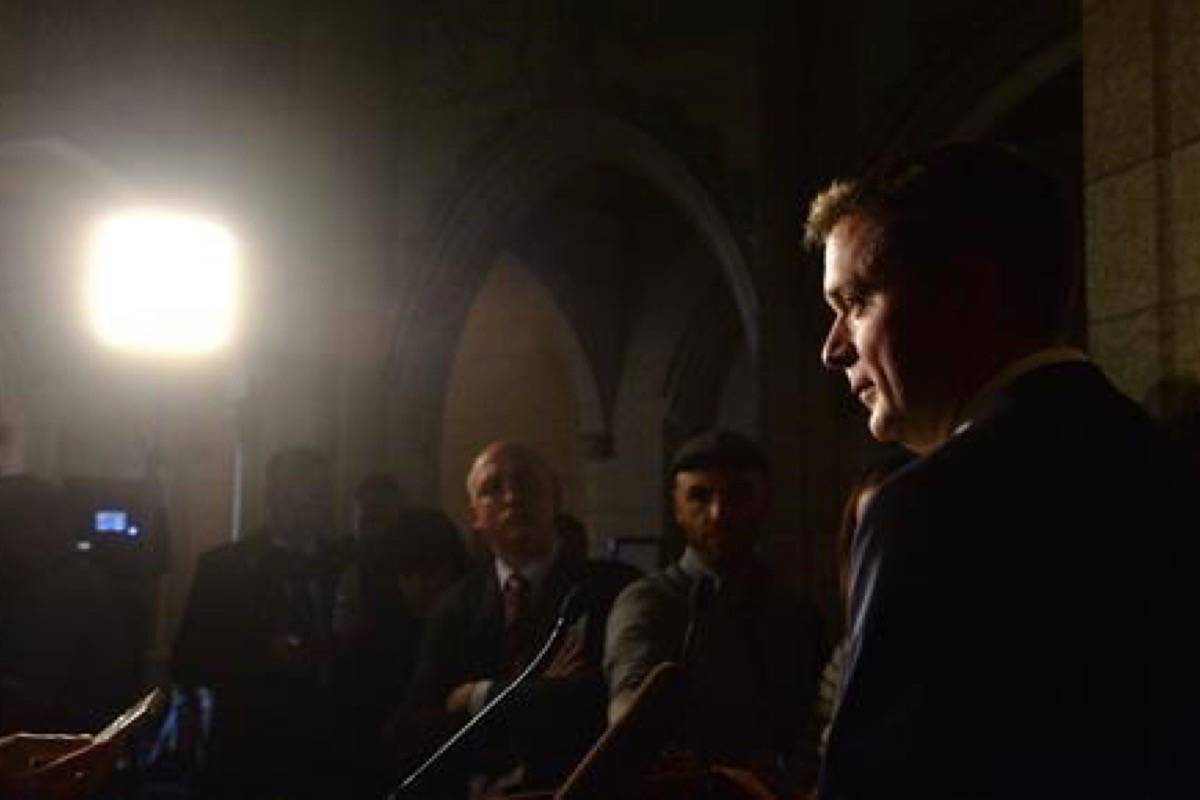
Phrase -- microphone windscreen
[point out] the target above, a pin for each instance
(616, 764)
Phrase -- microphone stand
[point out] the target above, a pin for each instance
(567, 612)
(700, 601)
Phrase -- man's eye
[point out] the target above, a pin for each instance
(858, 307)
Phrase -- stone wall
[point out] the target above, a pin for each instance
(1142, 169)
(511, 381)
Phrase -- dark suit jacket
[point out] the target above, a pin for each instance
(553, 721)
(1016, 597)
(270, 710)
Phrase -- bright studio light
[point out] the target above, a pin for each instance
(162, 282)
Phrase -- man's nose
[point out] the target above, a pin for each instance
(837, 352)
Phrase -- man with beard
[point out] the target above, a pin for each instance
(753, 650)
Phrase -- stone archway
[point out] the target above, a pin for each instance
(998, 65)
(1026, 78)
(520, 171)
(519, 354)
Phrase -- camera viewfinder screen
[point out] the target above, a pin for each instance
(111, 521)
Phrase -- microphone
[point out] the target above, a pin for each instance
(699, 601)
(570, 609)
(618, 761)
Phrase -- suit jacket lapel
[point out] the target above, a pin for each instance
(488, 628)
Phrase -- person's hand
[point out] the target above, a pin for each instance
(54, 767)
(22, 752)
(568, 660)
(459, 700)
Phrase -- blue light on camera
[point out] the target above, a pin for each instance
(115, 521)
(111, 521)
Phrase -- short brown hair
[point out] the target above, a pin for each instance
(941, 209)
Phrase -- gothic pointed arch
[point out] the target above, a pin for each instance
(981, 70)
(521, 170)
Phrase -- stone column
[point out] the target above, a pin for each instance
(1141, 66)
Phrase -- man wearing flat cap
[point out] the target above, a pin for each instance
(752, 651)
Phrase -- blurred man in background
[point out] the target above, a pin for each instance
(257, 631)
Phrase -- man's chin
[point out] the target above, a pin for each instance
(912, 443)
(527, 542)
(727, 560)
(519, 534)
(883, 428)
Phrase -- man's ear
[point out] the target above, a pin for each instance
(472, 515)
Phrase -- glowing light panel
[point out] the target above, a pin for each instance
(162, 282)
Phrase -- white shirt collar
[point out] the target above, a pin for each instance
(1057, 354)
(535, 572)
(694, 567)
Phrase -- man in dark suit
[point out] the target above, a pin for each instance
(490, 624)
(256, 631)
(1017, 591)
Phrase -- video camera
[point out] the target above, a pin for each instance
(119, 522)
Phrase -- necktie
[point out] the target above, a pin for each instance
(516, 599)
(516, 608)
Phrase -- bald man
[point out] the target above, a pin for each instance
(489, 625)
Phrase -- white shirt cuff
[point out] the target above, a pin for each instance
(478, 698)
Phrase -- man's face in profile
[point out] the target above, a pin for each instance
(720, 511)
(891, 341)
(512, 499)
